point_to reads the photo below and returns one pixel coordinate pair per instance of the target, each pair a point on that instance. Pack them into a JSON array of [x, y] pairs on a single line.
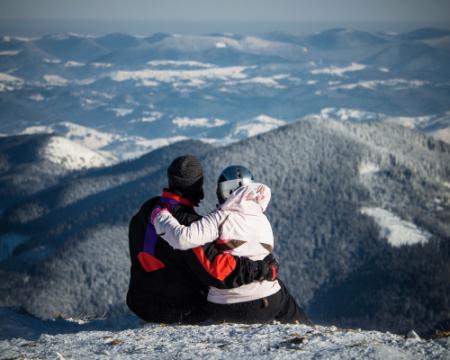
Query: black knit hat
[[185, 175]]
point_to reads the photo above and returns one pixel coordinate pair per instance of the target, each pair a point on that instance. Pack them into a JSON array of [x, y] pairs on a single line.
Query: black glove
[[269, 268]]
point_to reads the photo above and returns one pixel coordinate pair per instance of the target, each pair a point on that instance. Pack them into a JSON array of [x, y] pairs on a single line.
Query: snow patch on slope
[[101, 65], [258, 125], [73, 156], [37, 97], [121, 112], [9, 82], [396, 84], [73, 64], [398, 232], [110, 145], [368, 168], [183, 122], [339, 71], [171, 76], [10, 52], [180, 63], [269, 81], [55, 80], [346, 114]]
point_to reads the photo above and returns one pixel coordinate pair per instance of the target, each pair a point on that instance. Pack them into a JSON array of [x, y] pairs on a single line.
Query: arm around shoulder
[[183, 237]]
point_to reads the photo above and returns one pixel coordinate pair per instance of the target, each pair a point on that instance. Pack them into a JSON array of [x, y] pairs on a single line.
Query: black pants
[[280, 306], [166, 311]]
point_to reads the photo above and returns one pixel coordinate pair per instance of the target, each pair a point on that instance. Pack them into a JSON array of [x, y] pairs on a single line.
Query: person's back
[[247, 232], [168, 293]]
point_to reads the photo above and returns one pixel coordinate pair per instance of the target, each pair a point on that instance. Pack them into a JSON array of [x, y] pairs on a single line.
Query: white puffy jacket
[[239, 226]]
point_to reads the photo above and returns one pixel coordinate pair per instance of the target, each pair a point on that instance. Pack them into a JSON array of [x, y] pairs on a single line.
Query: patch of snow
[[67, 36], [383, 69], [10, 241], [339, 71], [73, 156], [101, 65], [433, 125], [55, 80], [180, 63], [121, 112], [442, 134], [410, 122], [311, 82], [345, 114], [51, 61], [9, 82], [183, 122], [269, 81], [10, 52], [171, 76], [446, 184], [397, 84], [149, 83], [258, 125], [84, 82], [368, 168], [39, 129], [26, 337], [89, 104], [72, 64], [246, 44], [142, 146], [37, 97], [281, 76], [149, 116], [398, 232], [87, 137], [19, 38], [109, 145], [258, 80]]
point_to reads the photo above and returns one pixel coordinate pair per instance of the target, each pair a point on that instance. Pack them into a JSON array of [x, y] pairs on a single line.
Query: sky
[[23, 13]]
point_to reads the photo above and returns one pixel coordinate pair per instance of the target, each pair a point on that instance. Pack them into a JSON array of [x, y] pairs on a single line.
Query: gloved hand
[[269, 268], [162, 206]]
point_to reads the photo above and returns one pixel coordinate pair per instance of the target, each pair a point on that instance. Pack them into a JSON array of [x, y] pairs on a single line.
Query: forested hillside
[[360, 214]]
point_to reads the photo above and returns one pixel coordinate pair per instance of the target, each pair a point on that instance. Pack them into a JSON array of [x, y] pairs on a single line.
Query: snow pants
[[280, 306]]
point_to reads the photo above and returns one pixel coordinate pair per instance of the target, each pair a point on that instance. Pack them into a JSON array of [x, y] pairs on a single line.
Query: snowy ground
[[25, 337]]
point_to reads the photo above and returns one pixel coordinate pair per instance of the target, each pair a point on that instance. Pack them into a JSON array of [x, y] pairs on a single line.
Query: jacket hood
[[249, 199]]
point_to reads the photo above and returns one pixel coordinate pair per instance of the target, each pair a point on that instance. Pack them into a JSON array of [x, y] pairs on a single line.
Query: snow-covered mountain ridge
[[345, 199], [114, 147]]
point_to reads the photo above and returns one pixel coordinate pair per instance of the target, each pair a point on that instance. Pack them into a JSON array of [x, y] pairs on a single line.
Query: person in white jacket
[[240, 227]]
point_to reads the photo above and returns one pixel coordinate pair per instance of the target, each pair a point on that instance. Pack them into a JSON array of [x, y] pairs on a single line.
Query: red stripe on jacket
[[178, 198], [222, 266], [149, 262]]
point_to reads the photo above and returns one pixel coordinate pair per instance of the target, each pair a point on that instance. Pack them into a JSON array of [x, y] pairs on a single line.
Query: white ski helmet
[[232, 178]]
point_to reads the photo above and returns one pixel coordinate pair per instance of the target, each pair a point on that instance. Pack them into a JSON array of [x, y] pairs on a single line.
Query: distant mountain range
[[170, 86]]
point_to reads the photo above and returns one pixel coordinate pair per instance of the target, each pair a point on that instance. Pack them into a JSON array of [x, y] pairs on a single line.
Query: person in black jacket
[[170, 286]]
